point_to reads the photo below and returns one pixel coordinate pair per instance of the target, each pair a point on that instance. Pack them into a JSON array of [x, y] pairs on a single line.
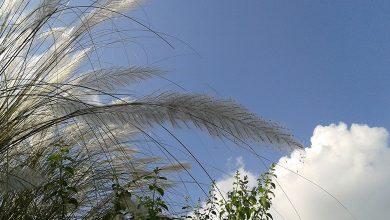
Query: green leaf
[[69, 170], [72, 189], [72, 201], [253, 200], [65, 150], [54, 157], [164, 206], [49, 186], [160, 190]]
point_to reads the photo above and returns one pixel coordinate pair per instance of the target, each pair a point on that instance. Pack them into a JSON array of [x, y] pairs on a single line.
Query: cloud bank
[[352, 164]]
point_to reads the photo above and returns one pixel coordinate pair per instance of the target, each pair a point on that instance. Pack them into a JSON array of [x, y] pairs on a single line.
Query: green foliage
[[58, 197], [149, 205], [154, 204], [241, 203], [55, 198], [62, 164], [210, 210], [119, 206], [254, 204]]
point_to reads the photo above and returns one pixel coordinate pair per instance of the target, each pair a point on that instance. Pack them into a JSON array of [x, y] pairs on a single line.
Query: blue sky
[[320, 68], [300, 63]]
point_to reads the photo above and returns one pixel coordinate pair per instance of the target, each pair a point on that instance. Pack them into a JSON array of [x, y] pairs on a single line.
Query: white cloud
[[350, 163]]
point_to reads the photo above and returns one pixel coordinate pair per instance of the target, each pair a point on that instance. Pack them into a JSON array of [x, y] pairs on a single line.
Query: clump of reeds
[[49, 105]]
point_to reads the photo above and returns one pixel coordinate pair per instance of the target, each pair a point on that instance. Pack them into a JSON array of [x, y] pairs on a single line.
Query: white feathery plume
[[46, 8], [220, 118], [104, 10], [65, 70], [9, 7], [110, 79]]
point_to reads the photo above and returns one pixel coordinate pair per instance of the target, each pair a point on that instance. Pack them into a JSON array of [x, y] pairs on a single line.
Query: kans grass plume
[[46, 102]]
